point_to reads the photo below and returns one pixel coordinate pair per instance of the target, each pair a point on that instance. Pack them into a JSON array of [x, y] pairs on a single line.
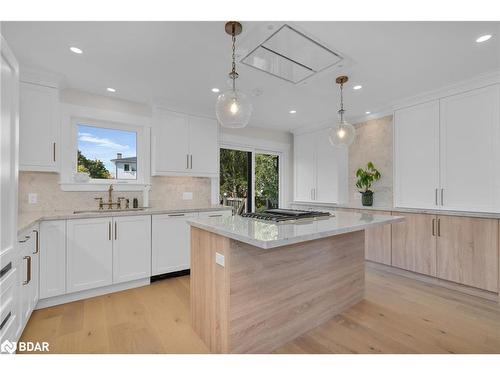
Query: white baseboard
[[71, 297]]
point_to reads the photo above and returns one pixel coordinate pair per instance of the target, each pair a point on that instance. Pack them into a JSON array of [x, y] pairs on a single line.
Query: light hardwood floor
[[398, 315]]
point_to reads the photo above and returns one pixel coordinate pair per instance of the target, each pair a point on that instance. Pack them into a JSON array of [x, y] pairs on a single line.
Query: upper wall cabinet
[[39, 126], [446, 153], [320, 169], [183, 145]]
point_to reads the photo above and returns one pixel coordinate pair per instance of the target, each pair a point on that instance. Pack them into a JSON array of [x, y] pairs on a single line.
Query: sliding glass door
[[249, 180]]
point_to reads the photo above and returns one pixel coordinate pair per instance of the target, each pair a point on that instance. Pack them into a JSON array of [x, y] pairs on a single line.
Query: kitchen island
[[256, 285]]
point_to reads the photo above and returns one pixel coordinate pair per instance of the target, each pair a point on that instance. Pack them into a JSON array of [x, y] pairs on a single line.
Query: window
[[249, 181], [106, 153]]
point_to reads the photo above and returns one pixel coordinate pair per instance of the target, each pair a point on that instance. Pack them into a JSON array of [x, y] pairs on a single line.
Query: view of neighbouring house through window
[[107, 153]]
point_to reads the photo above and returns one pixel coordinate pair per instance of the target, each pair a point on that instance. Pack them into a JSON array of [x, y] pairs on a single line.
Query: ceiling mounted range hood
[[291, 55]]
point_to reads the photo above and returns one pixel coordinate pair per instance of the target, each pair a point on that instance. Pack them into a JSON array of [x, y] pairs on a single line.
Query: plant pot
[[367, 198]]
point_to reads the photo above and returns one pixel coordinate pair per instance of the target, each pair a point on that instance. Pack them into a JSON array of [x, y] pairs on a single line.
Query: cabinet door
[[203, 146], [52, 258], [38, 127], [467, 251], [305, 167], [331, 164], [171, 243], [416, 156], [89, 254], [131, 248], [170, 146], [25, 280], [414, 243], [470, 149], [378, 241]]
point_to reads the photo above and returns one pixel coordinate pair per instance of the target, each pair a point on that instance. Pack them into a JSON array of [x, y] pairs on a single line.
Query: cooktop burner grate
[[280, 215]]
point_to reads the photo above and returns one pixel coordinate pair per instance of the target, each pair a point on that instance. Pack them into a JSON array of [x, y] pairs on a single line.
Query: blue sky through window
[[104, 144]]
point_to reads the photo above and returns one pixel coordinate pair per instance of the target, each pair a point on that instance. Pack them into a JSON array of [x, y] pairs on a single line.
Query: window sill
[[103, 186]]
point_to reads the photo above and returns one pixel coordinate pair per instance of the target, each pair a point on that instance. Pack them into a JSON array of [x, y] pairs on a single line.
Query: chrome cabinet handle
[[5, 320], [54, 151], [28, 270], [109, 231], [37, 242], [439, 227], [187, 161], [116, 231], [436, 196], [442, 195], [170, 215], [26, 238], [191, 160], [219, 215], [433, 227]]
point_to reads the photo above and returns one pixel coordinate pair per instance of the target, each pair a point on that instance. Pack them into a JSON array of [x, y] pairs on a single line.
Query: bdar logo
[[8, 347]]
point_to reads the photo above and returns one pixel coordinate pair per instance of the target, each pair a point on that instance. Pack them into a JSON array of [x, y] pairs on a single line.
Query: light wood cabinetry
[[39, 126], [444, 152], [89, 254], [184, 145], [467, 251], [131, 248], [378, 240], [320, 169], [414, 243], [52, 258]]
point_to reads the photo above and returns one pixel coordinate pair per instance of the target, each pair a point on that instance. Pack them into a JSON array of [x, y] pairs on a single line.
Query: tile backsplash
[[165, 192]]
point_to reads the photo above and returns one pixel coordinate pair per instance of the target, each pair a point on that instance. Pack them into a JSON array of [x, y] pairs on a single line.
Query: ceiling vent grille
[[291, 55]]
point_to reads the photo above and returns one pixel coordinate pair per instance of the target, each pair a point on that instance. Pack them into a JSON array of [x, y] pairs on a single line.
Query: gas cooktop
[[283, 215]]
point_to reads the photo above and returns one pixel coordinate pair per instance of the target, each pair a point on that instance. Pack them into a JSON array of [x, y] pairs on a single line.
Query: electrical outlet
[[32, 198], [187, 195], [219, 259]]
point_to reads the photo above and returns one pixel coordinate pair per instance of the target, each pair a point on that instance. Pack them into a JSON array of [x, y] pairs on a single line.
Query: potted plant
[[366, 177]]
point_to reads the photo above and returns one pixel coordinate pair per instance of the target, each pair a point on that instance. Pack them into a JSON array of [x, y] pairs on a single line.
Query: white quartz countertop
[[330, 206], [28, 219], [268, 235]]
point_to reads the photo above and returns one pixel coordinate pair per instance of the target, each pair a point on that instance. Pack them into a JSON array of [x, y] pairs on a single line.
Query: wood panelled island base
[[261, 298]]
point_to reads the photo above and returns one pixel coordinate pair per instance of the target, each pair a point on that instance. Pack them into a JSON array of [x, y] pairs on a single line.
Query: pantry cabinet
[[131, 248], [39, 126], [89, 254], [445, 151], [184, 145], [320, 169]]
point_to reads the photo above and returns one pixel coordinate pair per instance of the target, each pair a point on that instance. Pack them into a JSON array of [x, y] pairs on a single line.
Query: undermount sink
[[105, 210]]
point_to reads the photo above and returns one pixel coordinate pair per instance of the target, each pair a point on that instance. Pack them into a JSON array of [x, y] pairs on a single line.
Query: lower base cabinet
[[414, 243], [467, 251], [131, 248], [170, 242], [89, 254], [378, 241]]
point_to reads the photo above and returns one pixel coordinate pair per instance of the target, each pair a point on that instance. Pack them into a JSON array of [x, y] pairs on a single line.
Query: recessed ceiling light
[[367, 112], [293, 111], [215, 89], [483, 38], [357, 87], [110, 89], [76, 50]]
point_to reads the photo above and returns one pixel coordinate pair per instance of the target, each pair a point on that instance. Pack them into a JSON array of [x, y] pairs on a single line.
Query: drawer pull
[[5, 320], [218, 215], [26, 238], [6, 269], [177, 215]]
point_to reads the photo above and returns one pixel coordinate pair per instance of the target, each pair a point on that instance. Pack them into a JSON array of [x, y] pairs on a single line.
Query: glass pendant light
[[343, 134], [233, 108]]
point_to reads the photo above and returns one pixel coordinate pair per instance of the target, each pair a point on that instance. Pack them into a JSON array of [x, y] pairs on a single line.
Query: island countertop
[[269, 235]]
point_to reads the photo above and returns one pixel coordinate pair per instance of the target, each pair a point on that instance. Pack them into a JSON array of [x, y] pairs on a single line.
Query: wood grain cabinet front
[[414, 243], [467, 251]]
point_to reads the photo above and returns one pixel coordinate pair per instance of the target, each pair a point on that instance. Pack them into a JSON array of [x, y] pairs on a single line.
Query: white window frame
[[77, 115]]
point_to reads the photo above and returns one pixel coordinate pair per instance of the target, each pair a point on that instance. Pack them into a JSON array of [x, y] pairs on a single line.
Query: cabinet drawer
[[204, 215], [8, 306]]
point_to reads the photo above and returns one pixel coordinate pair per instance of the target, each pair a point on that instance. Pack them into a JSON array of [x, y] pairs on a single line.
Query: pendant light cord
[[233, 74]]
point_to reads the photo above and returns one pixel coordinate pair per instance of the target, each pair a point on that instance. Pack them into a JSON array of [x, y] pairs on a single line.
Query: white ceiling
[[177, 63]]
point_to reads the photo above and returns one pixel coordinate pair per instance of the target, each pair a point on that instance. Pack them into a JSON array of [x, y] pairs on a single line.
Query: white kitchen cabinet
[[416, 156], [320, 169], [470, 150], [183, 145], [38, 128], [445, 152], [52, 258], [203, 146], [89, 254], [170, 242], [131, 248]]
